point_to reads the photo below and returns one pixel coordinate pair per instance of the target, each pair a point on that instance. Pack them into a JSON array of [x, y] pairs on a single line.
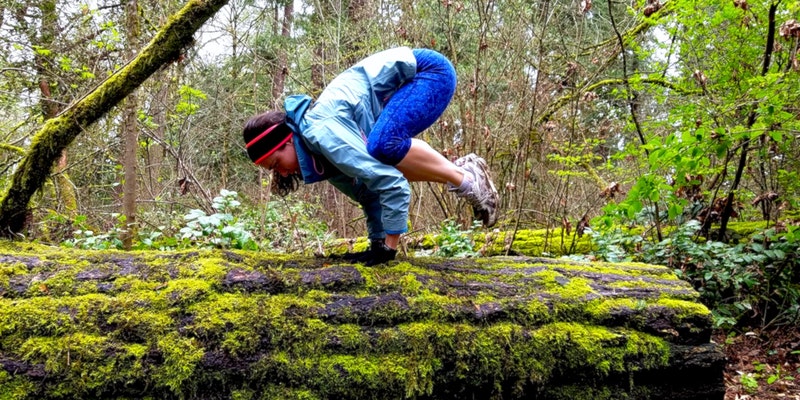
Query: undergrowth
[[230, 226], [753, 283]]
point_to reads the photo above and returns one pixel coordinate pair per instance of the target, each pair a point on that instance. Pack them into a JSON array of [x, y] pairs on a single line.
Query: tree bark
[[59, 132], [279, 77], [130, 132], [230, 324], [64, 190]]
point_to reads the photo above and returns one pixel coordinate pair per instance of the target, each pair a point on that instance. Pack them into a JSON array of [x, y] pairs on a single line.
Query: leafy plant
[[219, 230], [289, 226], [752, 283], [454, 242], [749, 382], [615, 245], [85, 237]]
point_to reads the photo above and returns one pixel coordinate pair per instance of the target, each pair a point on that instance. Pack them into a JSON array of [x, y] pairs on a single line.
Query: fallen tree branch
[[563, 100], [225, 324]]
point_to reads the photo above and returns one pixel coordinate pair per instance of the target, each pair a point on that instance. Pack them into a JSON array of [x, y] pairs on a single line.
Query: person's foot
[[481, 194]]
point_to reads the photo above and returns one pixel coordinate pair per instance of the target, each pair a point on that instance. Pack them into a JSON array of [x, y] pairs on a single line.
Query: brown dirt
[[762, 365]]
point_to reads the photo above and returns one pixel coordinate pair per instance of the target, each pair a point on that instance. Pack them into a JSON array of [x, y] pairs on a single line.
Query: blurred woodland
[[621, 110]]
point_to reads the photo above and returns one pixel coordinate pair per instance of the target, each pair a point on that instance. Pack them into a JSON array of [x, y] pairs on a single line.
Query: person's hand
[[379, 254]]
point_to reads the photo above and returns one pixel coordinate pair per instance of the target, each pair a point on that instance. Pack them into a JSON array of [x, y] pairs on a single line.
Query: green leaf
[[777, 136], [41, 51]]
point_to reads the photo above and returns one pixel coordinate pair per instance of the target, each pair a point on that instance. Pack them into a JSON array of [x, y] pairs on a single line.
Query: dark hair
[[281, 185], [259, 123], [284, 185]]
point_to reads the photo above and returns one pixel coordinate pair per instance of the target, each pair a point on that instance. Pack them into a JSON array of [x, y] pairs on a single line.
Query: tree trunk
[[130, 132], [279, 77], [227, 324], [59, 132], [64, 190]]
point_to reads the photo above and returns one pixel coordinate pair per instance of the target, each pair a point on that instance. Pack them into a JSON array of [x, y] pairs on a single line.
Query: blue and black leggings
[[413, 108]]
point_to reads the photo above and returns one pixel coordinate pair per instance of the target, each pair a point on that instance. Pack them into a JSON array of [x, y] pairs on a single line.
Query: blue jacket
[[333, 134]]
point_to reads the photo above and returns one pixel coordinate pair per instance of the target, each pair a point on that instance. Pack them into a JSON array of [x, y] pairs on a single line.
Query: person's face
[[283, 161]]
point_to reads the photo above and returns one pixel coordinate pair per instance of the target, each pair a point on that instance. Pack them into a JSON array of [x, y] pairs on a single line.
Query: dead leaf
[[790, 29]]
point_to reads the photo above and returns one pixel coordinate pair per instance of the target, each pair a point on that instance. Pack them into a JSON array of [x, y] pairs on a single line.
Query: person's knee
[[389, 152]]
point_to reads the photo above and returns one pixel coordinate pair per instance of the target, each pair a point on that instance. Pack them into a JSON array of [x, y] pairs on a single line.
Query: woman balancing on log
[[360, 136]]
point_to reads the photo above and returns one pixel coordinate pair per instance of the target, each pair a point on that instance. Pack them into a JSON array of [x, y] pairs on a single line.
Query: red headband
[[263, 145], [257, 138]]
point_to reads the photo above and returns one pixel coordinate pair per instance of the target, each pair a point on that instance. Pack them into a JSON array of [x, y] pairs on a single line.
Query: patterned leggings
[[413, 108]]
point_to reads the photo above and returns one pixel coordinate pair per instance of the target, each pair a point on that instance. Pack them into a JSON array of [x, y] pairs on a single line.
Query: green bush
[[754, 283]]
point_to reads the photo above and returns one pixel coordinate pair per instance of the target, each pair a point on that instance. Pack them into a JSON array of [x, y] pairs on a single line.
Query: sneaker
[[482, 196]]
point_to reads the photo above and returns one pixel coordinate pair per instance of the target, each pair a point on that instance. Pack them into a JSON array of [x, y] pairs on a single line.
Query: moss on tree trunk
[[57, 133], [224, 324]]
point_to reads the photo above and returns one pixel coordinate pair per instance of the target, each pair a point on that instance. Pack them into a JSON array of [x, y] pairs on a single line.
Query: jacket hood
[[314, 168], [296, 106]]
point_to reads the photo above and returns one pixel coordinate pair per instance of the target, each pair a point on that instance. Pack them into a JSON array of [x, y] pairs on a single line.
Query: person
[[360, 136]]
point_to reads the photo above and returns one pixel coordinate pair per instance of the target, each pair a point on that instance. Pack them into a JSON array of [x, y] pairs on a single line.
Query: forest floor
[[762, 364]]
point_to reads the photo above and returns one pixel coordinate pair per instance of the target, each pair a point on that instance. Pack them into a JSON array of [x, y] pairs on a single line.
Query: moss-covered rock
[[245, 325]]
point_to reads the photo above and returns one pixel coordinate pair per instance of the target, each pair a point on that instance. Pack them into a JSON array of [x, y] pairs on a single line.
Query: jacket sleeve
[[369, 201], [337, 140]]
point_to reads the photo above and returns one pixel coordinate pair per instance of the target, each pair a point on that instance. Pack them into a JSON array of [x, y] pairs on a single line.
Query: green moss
[[9, 270], [15, 387], [746, 229], [349, 376], [211, 269], [608, 351], [348, 337], [79, 358], [186, 291], [181, 357], [391, 277], [555, 242], [685, 309], [317, 296], [61, 283], [566, 288], [286, 393], [601, 309], [586, 392], [534, 313], [232, 319], [681, 310], [409, 285], [502, 327], [434, 305], [625, 268], [538, 243]]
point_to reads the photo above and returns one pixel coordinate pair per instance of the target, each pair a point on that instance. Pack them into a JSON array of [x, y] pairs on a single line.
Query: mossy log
[[60, 131], [245, 325]]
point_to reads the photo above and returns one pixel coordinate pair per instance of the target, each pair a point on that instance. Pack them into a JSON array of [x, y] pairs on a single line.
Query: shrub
[[751, 283]]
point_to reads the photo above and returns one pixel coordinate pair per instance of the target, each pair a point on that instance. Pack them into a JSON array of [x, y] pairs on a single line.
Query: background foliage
[[593, 115]]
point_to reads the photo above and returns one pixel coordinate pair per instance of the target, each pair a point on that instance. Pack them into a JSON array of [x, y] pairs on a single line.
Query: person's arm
[[383, 247], [337, 140]]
